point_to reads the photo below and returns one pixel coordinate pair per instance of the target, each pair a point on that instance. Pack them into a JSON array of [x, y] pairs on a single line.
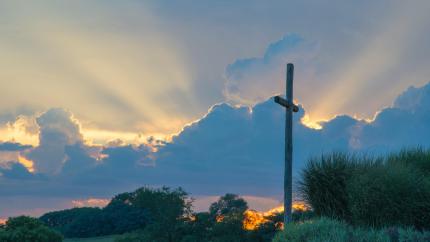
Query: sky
[[102, 97]]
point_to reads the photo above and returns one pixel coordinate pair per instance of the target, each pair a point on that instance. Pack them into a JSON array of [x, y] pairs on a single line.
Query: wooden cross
[[290, 107]]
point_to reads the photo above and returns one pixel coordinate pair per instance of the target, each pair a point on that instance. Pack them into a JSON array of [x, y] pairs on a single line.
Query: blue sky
[[101, 97]]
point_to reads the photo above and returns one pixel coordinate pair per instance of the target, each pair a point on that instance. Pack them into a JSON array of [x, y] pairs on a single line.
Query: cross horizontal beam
[[283, 102]]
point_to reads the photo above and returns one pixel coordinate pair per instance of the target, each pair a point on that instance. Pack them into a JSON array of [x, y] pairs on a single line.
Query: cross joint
[[285, 103]]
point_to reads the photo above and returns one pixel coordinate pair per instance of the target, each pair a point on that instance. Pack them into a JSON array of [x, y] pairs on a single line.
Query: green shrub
[[390, 195], [300, 215], [410, 235], [415, 157], [328, 230], [324, 180], [26, 229], [380, 192]]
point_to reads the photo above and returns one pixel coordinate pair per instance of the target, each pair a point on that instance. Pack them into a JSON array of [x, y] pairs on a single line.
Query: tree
[[26, 229], [229, 206], [228, 213], [116, 218], [167, 210]]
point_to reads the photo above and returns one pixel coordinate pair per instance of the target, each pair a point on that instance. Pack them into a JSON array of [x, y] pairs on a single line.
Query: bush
[[80, 222], [392, 195], [324, 180], [116, 218], [415, 157], [328, 230], [26, 229], [410, 235], [301, 215], [378, 192], [325, 229]]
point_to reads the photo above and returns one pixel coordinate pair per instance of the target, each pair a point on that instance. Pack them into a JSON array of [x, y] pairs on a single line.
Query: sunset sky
[[101, 97]]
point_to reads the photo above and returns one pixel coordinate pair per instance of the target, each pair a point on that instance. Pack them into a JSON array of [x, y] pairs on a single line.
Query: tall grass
[[324, 182], [394, 195], [324, 230], [418, 158], [370, 191], [328, 230]]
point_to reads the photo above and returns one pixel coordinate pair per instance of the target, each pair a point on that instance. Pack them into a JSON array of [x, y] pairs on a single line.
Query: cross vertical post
[[290, 107]]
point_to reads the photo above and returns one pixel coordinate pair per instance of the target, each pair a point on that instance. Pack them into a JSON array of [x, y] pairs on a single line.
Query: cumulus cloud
[[231, 149], [57, 130], [254, 79], [21, 129], [14, 170], [237, 149]]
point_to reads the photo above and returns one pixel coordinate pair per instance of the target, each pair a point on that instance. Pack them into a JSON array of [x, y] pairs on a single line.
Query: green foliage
[[26, 229], [229, 205], [411, 235], [414, 157], [324, 181], [324, 229], [223, 223], [200, 227], [392, 195], [124, 217], [228, 211], [115, 218], [378, 192], [167, 211], [328, 230], [300, 216]]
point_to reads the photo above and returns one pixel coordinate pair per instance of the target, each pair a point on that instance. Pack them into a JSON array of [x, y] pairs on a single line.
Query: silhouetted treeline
[[26, 229], [164, 215]]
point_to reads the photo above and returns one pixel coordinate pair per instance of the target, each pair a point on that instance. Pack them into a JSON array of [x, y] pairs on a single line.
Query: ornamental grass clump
[[390, 195], [370, 191], [324, 182]]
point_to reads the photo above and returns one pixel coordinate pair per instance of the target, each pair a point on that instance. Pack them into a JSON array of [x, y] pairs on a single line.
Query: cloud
[[20, 129], [252, 80], [57, 130], [9, 146], [112, 84], [403, 124], [231, 149], [78, 159], [91, 202], [160, 64], [414, 99], [15, 170]]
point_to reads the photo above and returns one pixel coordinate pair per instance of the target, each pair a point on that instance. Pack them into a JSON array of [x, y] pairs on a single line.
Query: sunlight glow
[[253, 219], [306, 121], [3, 221], [23, 131], [29, 164]]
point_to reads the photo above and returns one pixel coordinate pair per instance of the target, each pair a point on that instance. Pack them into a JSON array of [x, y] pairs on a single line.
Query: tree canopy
[[26, 229]]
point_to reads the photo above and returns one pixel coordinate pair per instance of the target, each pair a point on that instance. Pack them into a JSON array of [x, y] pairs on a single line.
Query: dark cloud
[[14, 170], [9, 146], [237, 149], [231, 149], [78, 160]]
